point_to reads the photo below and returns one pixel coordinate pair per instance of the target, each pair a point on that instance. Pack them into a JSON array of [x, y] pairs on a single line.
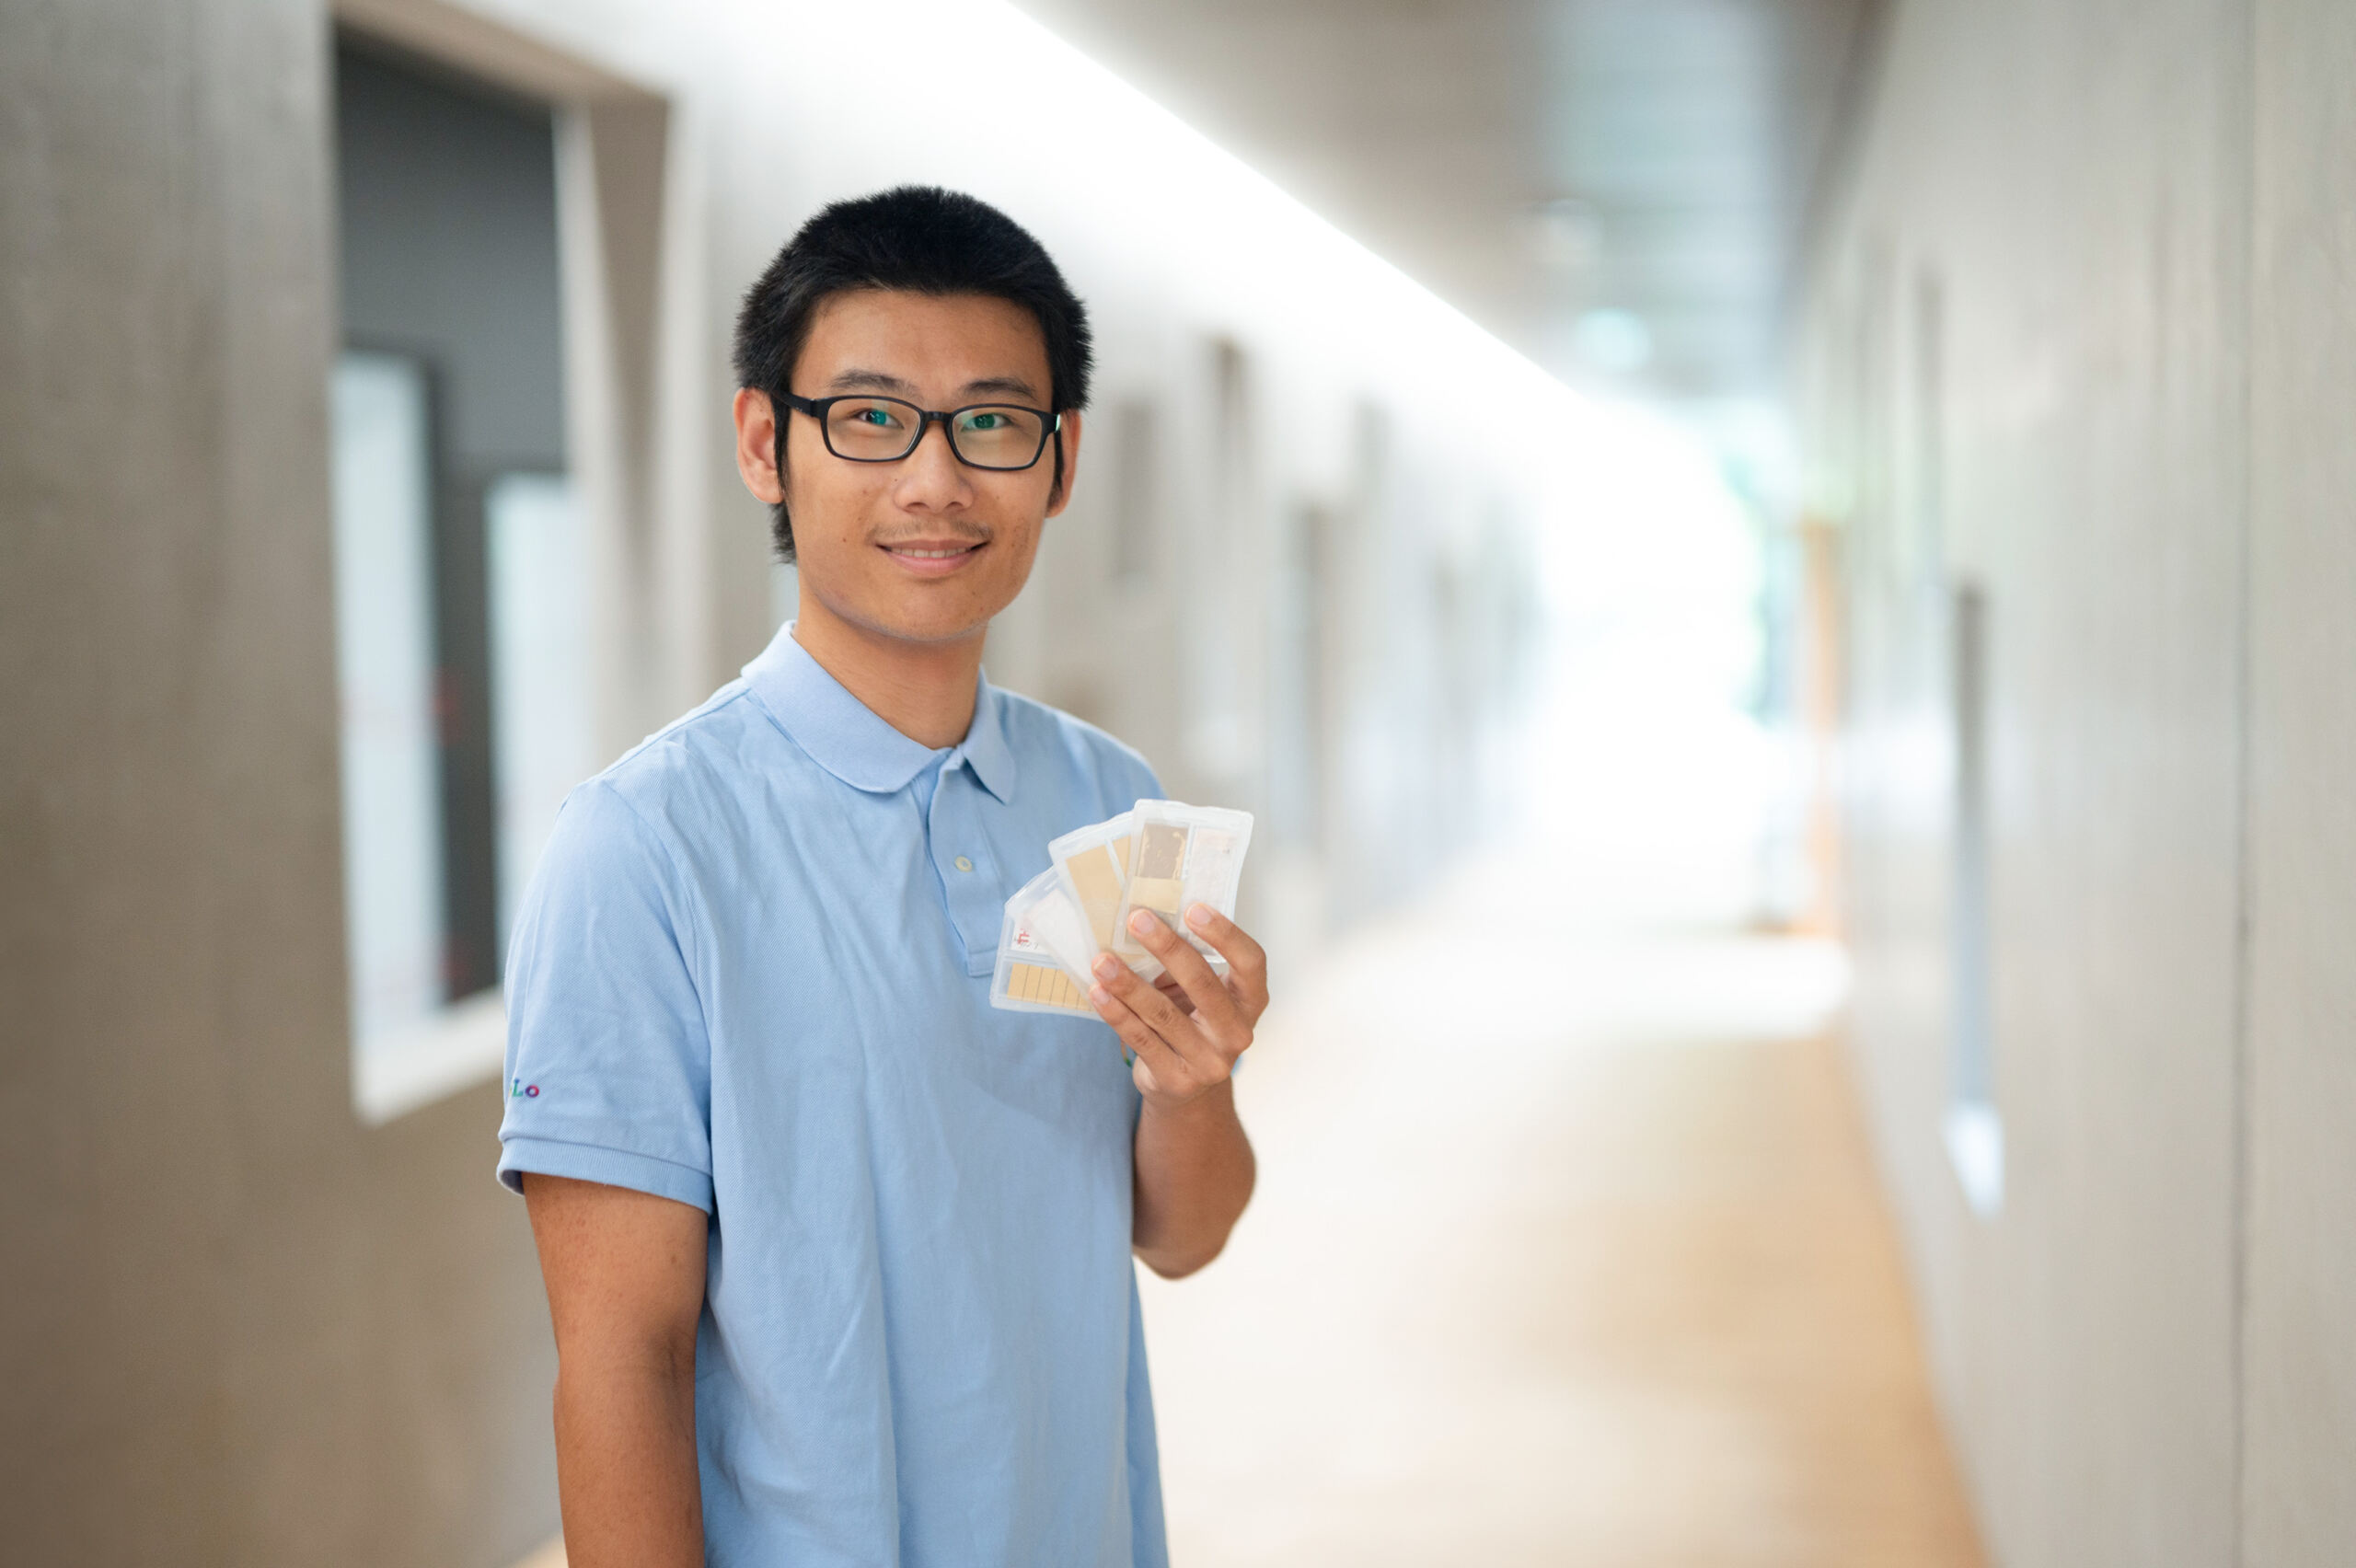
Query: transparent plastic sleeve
[[1093, 865], [1182, 856], [1038, 941]]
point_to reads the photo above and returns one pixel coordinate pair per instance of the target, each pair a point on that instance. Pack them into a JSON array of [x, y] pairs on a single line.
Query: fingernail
[[1142, 923], [1100, 996], [1107, 965], [1199, 915]]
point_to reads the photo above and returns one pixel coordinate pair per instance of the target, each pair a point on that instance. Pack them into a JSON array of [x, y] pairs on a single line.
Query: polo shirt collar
[[851, 741], [985, 748]]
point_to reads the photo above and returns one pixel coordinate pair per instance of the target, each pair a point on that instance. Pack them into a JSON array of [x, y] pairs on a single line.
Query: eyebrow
[[1009, 386], [868, 380], [877, 381]]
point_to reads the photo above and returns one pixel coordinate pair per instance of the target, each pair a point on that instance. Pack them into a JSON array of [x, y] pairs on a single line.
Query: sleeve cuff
[[615, 1168]]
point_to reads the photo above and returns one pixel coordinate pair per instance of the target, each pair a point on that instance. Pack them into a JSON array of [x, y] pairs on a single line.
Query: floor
[[1567, 1251]]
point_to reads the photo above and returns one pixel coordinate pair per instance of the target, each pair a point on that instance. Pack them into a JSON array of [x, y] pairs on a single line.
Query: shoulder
[[637, 833], [686, 746], [706, 760], [682, 785], [1044, 736]]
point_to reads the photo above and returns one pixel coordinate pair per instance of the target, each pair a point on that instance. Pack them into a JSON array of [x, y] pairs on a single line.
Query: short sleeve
[[608, 1061]]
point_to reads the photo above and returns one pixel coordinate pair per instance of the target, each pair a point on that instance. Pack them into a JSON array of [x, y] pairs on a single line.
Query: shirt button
[[963, 864]]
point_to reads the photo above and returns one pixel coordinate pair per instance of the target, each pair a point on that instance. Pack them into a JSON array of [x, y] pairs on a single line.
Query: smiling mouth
[[934, 555]]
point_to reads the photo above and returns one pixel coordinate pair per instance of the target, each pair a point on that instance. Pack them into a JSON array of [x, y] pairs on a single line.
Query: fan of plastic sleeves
[[1163, 857]]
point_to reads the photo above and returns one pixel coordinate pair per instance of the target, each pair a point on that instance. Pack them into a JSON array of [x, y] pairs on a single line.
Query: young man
[[839, 1256]]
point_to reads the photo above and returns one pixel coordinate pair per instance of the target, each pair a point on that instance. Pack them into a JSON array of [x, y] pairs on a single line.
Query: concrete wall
[[236, 1327], [2038, 359], [2299, 1394]]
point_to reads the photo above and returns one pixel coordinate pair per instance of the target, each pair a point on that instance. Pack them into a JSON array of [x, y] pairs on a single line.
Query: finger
[[1247, 961], [1143, 1043], [1156, 1066], [1213, 1005], [1168, 985], [1202, 1055], [1155, 1010]]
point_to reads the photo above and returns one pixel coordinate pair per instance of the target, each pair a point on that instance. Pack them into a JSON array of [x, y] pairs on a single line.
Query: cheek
[[1025, 548], [1020, 518], [827, 499]]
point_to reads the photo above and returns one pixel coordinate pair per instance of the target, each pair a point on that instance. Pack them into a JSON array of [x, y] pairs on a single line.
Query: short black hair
[[917, 237]]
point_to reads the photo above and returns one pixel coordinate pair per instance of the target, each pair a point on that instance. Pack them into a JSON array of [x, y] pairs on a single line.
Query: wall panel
[[2300, 1395], [2072, 182], [237, 1327]]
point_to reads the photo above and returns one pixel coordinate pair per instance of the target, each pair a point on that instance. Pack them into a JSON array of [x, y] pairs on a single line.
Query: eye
[[986, 421]]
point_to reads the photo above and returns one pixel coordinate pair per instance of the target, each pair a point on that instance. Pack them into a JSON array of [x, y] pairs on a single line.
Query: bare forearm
[[1195, 1172], [625, 1271], [626, 1458]]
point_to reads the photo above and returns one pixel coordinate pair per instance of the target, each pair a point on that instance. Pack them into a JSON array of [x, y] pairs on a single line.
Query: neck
[[925, 690]]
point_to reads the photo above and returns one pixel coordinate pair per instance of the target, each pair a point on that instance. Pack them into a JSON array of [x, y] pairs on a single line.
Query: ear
[[1067, 442], [757, 445]]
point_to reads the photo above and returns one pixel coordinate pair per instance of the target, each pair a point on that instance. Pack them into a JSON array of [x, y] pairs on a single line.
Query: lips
[[933, 557]]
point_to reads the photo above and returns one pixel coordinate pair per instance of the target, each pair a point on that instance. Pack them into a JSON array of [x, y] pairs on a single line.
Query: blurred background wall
[[2069, 341], [239, 1326]]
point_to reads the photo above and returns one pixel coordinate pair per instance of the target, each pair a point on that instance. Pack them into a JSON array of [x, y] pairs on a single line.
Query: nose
[[930, 477]]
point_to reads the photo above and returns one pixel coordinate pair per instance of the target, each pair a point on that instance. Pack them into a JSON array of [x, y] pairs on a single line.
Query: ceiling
[[1618, 188]]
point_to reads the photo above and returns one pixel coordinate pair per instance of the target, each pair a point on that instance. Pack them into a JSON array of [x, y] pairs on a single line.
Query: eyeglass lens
[[989, 436]]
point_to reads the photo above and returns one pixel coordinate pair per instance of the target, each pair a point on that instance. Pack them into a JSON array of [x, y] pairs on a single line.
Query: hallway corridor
[[1598, 481], [1568, 1250]]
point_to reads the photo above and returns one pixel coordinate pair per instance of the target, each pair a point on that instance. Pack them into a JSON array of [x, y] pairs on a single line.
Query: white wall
[[2299, 1385], [2136, 446]]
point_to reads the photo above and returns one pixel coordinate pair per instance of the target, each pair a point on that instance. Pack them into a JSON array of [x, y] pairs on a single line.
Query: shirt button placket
[[974, 904]]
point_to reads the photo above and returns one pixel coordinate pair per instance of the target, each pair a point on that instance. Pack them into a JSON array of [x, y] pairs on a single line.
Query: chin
[[928, 619]]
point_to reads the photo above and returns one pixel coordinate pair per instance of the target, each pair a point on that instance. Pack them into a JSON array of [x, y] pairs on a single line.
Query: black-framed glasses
[[862, 427]]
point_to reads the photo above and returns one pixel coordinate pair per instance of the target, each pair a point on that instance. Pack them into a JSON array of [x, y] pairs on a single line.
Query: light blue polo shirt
[[753, 974]]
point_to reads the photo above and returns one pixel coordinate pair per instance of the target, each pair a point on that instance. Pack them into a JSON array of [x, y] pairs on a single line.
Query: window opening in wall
[[1875, 385], [391, 746], [463, 639], [1298, 762], [1219, 743], [1930, 432], [1136, 459], [544, 735], [1975, 1132]]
